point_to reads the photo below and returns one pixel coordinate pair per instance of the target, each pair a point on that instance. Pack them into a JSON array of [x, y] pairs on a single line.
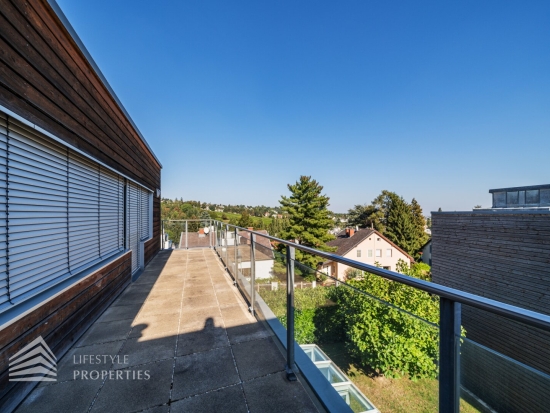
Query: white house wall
[[373, 243]]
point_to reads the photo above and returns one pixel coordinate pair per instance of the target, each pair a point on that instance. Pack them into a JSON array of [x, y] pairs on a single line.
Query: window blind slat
[[65, 212]]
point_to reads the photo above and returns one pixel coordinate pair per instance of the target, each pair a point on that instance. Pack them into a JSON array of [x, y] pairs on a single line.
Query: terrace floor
[[179, 339]]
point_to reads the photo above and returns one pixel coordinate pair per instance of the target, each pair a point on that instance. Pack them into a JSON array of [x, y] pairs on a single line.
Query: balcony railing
[[270, 277]]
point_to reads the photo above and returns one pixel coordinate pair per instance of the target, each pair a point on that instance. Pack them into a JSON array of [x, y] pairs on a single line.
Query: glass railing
[[190, 233], [496, 380], [397, 340]]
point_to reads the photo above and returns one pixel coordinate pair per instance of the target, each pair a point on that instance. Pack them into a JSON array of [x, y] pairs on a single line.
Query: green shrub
[[314, 316], [385, 339]]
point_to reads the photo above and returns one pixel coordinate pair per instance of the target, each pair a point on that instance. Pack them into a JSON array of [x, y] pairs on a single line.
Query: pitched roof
[[345, 244], [245, 238]]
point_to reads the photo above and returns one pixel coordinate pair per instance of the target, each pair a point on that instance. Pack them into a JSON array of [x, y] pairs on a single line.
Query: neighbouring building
[[502, 253], [426, 251], [263, 255], [367, 246], [80, 196]]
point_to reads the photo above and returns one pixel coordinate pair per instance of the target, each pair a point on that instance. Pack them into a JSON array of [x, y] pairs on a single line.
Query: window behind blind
[[60, 212]]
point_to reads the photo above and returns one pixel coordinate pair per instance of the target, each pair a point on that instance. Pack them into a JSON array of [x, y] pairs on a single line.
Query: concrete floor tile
[[79, 359], [246, 332], [198, 282], [106, 332], [209, 337], [227, 400], [151, 308], [213, 318], [258, 358], [222, 288], [196, 291], [140, 351], [236, 315], [157, 409], [131, 298], [167, 285], [201, 372], [122, 312], [155, 326], [174, 279], [227, 298], [199, 314], [274, 394], [54, 398], [173, 270], [134, 391], [199, 301], [172, 296]]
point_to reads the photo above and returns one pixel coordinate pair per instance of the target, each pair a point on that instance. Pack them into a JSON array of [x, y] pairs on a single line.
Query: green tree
[[383, 204], [245, 220], [361, 216], [309, 220], [278, 226], [420, 224], [400, 226], [205, 217]]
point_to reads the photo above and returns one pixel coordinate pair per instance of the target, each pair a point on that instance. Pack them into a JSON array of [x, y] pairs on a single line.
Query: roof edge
[[520, 188], [63, 19]]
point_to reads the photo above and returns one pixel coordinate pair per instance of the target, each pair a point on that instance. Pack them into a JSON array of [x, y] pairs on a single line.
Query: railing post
[[210, 233], [186, 245], [449, 355], [290, 254], [252, 272], [226, 251], [235, 264]]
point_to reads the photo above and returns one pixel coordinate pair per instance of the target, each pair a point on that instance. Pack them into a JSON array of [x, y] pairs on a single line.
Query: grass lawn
[[392, 395]]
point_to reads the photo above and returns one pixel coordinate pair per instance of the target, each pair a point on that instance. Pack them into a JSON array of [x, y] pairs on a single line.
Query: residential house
[[367, 246], [263, 254]]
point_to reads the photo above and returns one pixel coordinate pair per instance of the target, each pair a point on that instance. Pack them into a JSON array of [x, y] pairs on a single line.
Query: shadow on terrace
[[179, 339]]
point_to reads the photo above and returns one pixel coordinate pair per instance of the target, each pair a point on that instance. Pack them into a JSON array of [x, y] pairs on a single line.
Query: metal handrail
[[532, 318], [449, 315]]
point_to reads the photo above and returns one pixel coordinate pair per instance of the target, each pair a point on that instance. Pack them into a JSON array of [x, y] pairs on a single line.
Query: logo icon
[[34, 362]]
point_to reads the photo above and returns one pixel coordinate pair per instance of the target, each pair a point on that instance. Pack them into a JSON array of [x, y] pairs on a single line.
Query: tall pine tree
[[419, 224], [400, 226], [309, 220]]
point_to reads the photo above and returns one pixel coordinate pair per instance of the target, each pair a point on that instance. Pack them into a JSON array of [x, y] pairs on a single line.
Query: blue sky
[[435, 101]]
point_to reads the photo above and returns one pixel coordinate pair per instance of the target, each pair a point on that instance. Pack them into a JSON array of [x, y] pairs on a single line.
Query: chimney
[[350, 232]]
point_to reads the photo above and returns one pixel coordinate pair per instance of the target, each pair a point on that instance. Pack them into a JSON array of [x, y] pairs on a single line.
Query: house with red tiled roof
[[367, 246]]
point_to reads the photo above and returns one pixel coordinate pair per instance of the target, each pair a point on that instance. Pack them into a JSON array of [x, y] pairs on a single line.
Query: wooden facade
[[47, 79], [60, 321], [504, 256]]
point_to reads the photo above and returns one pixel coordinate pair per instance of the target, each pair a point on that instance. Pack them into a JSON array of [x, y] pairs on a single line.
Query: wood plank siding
[[46, 79], [60, 321], [506, 257]]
